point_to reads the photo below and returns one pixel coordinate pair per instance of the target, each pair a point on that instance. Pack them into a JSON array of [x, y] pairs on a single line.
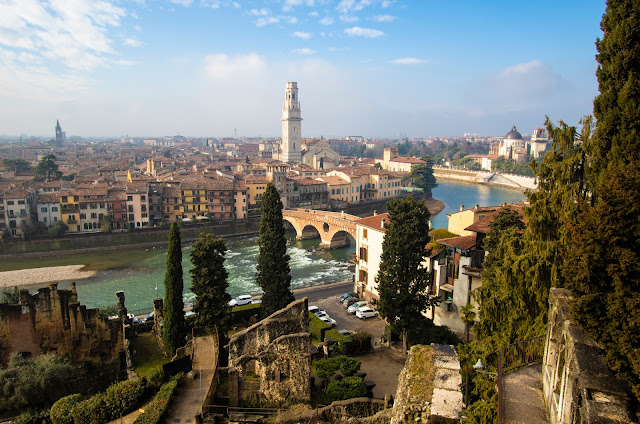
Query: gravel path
[[24, 277]]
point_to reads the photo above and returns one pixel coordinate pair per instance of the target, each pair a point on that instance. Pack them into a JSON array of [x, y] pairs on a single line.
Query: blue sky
[[376, 68]]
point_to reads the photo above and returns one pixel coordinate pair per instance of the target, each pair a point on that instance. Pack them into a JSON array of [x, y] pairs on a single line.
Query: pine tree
[[273, 272], [402, 280], [209, 282], [174, 326], [422, 176]]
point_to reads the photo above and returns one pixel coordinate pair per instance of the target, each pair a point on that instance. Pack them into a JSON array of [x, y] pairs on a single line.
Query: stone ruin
[[270, 362], [429, 387], [577, 384], [53, 320]]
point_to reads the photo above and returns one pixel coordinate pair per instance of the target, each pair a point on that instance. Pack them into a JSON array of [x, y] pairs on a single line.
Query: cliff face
[[53, 320], [270, 362], [429, 387]]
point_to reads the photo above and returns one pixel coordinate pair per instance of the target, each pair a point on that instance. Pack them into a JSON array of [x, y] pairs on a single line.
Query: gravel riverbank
[[24, 277]]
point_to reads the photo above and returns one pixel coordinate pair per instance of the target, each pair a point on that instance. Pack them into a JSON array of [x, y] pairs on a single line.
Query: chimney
[[477, 207], [375, 213], [382, 223], [461, 208]]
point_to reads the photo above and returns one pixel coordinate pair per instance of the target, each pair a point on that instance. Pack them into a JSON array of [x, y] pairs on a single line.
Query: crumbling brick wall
[[270, 362], [53, 320]]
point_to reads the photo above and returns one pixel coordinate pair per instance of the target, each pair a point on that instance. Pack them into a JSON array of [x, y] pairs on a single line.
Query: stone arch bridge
[[332, 227]]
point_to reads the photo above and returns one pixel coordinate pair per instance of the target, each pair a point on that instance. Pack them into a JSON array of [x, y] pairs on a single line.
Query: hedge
[[351, 344], [119, 399], [347, 388], [154, 412], [61, 411], [244, 313], [317, 327]]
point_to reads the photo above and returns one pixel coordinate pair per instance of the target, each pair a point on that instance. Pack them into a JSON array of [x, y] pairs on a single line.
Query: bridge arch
[[330, 226]]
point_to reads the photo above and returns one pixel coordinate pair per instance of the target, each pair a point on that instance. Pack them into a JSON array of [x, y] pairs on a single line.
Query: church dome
[[513, 134]]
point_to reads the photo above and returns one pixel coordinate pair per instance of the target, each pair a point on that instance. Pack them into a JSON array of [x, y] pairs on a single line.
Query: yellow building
[[70, 210], [460, 220]]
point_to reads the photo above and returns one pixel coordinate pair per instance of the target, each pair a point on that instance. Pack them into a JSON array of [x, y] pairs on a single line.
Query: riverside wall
[[490, 178]]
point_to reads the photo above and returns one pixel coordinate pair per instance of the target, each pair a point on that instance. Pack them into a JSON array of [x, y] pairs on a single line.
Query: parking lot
[[346, 321]]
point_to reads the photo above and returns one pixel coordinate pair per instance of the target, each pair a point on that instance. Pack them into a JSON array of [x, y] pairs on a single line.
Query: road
[[325, 291]]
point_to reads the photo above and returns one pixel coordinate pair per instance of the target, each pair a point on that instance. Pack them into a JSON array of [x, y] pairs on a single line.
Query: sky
[[372, 68]]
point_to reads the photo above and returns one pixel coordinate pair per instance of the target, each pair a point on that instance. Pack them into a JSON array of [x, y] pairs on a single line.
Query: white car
[[313, 309], [353, 308], [243, 299], [366, 312], [328, 320], [320, 314]]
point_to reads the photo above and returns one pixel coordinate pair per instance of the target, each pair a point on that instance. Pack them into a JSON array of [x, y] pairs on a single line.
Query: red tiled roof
[[483, 225], [462, 242], [374, 221]]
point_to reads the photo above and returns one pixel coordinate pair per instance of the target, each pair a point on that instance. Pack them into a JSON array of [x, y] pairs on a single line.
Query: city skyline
[[368, 67]]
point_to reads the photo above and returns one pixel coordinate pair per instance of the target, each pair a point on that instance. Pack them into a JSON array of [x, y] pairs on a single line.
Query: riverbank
[[496, 179], [33, 276]]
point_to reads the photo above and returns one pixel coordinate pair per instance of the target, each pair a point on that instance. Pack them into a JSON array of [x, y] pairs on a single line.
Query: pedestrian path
[[522, 396]]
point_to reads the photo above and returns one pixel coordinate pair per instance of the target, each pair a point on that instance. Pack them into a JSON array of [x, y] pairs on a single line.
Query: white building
[[48, 208], [370, 233]]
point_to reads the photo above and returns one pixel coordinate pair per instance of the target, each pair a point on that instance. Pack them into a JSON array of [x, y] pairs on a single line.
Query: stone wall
[[53, 320], [429, 387], [577, 384], [270, 362]]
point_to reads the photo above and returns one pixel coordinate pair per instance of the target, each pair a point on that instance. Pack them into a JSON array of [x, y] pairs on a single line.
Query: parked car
[[349, 301], [346, 332], [243, 299], [321, 314], [313, 309], [366, 312], [148, 317], [357, 305], [344, 296], [328, 320]]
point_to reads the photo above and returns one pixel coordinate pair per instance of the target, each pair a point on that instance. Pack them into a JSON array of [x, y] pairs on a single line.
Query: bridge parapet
[[327, 224]]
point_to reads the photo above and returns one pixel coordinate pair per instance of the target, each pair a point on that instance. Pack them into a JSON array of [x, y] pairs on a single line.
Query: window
[[10, 202], [21, 202], [44, 219], [143, 198], [129, 198], [364, 253], [55, 219], [43, 209], [83, 216], [131, 218], [144, 208], [130, 208], [94, 215], [54, 209]]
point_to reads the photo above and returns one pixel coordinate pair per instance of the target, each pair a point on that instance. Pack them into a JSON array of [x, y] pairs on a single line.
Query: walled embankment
[[158, 236], [491, 178]]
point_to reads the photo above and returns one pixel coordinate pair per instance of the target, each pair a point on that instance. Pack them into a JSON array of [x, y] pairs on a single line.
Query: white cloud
[[259, 12], [386, 3], [132, 42], [337, 49], [185, 3], [534, 78], [313, 14], [363, 32], [349, 18], [266, 21], [327, 20], [289, 4], [304, 51], [214, 4], [137, 28], [347, 6], [292, 19], [383, 18], [75, 34], [236, 5], [222, 66], [303, 35], [408, 61]]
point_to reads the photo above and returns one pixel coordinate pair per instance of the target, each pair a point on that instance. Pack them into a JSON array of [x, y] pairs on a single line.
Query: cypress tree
[[273, 272], [209, 282], [402, 280], [174, 326]]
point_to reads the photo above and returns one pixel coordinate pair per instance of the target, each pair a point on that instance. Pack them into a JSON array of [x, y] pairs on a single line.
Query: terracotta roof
[[333, 180], [483, 225], [406, 159], [374, 221], [48, 198], [462, 242]]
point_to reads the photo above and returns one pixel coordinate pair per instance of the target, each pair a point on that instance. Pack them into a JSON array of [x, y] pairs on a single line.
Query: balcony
[[72, 221]]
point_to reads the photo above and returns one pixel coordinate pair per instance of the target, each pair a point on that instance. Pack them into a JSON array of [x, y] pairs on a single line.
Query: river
[[140, 272]]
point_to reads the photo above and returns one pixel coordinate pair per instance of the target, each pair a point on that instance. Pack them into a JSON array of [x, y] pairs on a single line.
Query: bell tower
[[291, 125]]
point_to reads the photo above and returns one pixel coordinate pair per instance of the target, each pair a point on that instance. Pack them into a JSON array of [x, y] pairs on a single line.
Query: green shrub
[[348, 366], [347, 388], [317, 327], [154, 412], [33, 416], [123, 397], [156, 377], [91, 411], [244, 313], [426, 332], [61, 411], [325, 368], [351, 344]]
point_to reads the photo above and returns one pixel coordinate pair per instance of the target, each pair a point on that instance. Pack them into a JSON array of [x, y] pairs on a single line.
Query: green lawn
[[148, 354]]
